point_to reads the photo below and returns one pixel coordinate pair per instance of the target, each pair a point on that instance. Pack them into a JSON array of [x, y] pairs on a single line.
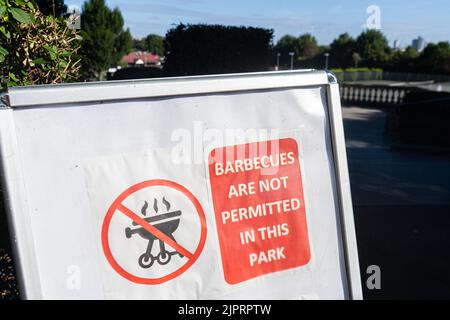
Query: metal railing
[[379, 95], [377, 75], [414, 77]]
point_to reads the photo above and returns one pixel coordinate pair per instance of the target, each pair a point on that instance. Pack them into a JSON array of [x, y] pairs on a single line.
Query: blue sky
[[400, 20]]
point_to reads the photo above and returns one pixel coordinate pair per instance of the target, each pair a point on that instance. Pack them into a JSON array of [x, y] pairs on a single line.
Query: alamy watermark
[[373, 21], [73, 278], [73, 17], [191, 145], [373, 281]]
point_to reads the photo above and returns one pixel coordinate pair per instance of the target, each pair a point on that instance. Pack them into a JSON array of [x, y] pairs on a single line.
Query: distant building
[[141, 58], [396, 45], [418, 44]]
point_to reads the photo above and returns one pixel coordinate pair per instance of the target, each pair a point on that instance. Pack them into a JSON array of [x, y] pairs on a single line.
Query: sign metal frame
[[12, 176]]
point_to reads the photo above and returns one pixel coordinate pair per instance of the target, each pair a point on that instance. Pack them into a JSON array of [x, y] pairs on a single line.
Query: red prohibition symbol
[[118, 207]]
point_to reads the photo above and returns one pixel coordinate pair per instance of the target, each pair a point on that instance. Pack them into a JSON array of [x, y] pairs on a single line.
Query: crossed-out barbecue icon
[[167, 223]]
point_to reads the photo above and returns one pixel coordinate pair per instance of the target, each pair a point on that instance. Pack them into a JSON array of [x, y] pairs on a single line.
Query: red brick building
[[142, 58]]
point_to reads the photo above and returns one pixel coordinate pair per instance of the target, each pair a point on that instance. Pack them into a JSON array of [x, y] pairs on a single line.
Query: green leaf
[[30, 5], [2, 10], [10, 84], [39, 61], [65, 54], [3, 51], [20, 15], [51, 50], [13, 77], [7, 34], [62, 64]]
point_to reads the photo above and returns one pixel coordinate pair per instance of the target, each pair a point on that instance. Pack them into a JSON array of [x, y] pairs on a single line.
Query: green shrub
[[358, 74], [196, 49], [35, 49], [8, 283], [339, 73]]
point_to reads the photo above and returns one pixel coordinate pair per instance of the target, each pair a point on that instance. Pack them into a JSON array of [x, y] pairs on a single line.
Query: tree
[[35, 49], [151, 43], [307, 46], [356, 58], [139, 44], [374, 48], [155, 43], [55, 8], [105, 41], [122, 39], [205, 49], [284, 46], [304, 47], [435, 58], [341, 51], [404, 61]]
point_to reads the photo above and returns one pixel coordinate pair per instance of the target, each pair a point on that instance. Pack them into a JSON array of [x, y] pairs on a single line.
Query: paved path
[[402, 210]]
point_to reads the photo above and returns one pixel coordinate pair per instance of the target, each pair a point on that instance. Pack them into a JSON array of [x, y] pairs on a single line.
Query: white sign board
[[215, 187]]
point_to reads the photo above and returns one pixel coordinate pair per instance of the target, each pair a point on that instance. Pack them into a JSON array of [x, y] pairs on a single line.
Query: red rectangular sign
[[259, 208]]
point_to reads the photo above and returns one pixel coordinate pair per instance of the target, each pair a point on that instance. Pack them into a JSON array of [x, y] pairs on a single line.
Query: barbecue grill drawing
[[167, 223]]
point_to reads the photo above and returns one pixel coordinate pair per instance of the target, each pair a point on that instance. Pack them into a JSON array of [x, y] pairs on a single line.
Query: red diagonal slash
[[160, 235]]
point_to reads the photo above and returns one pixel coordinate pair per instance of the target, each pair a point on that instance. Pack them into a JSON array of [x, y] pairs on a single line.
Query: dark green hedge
[[212, 49]]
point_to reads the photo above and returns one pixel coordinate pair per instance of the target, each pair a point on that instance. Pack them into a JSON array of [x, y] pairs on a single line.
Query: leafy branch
[[35, 49]]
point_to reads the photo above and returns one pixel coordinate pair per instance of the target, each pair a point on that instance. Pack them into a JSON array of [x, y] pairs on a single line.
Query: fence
[[414, 77], [345, 76], [376, 95], [351, 76]]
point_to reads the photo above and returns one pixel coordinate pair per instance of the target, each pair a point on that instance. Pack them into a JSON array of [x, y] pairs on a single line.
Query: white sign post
[[211, 187]]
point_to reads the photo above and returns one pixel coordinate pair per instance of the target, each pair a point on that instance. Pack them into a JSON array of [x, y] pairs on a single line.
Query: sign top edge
[[73, 93]]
